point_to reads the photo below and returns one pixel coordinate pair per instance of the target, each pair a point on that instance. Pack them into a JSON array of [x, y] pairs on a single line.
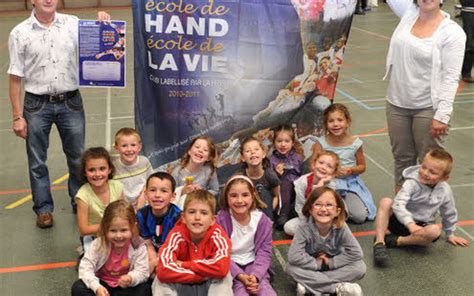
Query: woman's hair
[[117, 209], [265, 161], [329, 153], [96, 153], [333, 108], [286, 128], [313, 197], [257, 202], [213, 154]]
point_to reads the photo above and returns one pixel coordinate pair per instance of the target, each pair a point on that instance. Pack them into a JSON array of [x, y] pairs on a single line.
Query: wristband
[[17, 118]]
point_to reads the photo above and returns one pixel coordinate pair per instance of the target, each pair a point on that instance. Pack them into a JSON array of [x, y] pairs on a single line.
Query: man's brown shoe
[[468, 79], [44, 220]]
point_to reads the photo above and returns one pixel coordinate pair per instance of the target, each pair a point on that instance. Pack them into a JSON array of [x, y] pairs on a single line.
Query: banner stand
[[108, 145]]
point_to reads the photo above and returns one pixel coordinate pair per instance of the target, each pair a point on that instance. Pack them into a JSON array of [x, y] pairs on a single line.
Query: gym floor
[[41, 262]]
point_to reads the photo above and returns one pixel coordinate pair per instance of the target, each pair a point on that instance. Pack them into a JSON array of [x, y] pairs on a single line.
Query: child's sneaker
[[391, 240], [348, 289], [300, 290], [380, 254]]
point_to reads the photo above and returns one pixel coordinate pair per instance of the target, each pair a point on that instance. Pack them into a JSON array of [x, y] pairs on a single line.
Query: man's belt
[[58, 97]]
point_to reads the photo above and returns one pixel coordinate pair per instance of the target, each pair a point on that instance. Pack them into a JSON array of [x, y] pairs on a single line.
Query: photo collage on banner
[[234, 68]]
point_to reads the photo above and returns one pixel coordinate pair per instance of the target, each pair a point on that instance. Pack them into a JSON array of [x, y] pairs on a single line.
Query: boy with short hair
[[131, 168], [195, 259], [156, 219], [410, 217]]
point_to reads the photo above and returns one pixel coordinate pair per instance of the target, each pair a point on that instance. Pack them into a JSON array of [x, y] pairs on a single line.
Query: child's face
[[199, 152], [97, 171], [128, 147], [253, 154], [159, 194], [119, 233], [198, 217], [240, 199], [325, 209], [311, 51], [324, 65], [283, 142], [324, 166], [432, 171], [337, 123]]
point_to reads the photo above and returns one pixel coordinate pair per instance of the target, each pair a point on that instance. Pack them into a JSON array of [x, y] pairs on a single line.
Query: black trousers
[[80, 289], [468, 26]]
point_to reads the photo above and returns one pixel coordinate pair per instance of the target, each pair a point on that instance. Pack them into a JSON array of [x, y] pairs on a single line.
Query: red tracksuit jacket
[[209, 259]]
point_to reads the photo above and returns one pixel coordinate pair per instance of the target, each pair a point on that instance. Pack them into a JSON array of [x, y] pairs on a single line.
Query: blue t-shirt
[[157, 228]]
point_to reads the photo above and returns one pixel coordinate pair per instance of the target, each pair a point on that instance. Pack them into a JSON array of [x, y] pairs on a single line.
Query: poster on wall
[[101, 53], [232, 69]]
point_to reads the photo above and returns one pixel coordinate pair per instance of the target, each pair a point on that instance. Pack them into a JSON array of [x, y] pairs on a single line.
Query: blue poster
[[233, 68], [101, 53]]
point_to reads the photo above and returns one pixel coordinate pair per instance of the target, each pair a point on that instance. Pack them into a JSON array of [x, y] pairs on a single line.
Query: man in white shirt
[[43, 57]]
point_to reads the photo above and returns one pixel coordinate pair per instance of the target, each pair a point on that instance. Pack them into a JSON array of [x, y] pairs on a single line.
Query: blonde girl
[[324, 256], [256, 167], [197, 168], [325, 166], [98, 192], [287, 161], [338, 139], [117, 262], [251, 234]]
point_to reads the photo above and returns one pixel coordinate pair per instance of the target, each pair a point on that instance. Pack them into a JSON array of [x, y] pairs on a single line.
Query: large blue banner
[[233, 68]]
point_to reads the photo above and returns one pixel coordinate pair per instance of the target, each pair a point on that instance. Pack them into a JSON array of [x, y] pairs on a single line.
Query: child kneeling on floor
[[324, 256], [116, 262], [195, 258], [409, 219]]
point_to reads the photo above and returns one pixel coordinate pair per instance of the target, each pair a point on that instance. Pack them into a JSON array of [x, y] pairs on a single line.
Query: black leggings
[[80, 289]]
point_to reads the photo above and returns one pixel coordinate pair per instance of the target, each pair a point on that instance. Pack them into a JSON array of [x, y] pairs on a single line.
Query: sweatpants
[[318, 282], [209, 287]]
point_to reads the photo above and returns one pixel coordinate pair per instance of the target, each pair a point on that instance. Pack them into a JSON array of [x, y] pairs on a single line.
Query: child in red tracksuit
[[195, 259]]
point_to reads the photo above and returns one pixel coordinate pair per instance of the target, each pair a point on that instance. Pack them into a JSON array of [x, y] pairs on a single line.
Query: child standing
[[338, 139], [287, 162], [250, 232], [131, 168], [197, 168], [324, 256], [116, 263], [256, 167], [195, 259], [324, 169], [156, 219], [98, 191], [410, 218]]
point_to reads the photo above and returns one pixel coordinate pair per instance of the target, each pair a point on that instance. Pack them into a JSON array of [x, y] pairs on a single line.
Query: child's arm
[[350, 250], [88, 266], [139, 272], [141, 200], [213, 184], [263, 255], [152, 256], [276, 196], [300, 199], [297, 254], [360, 166], [218, 266], [449, 217], [400, 201], [82, 219]]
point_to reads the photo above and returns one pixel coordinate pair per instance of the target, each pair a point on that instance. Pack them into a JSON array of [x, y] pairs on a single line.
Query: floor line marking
[[465, 233], [29, 196], [372, 33], [280, 258], [460, 128], [274, 243], [462, 185], [378, 165], [27, 190]]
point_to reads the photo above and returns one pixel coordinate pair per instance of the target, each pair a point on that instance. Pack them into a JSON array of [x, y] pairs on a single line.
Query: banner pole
[[108, 119]]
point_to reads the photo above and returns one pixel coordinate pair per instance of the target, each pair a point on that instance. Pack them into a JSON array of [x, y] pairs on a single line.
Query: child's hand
[[458, 241], [280, 168], [125, 281], [323, 181], [344, 172], [275, 203], [102, 291], [244, 279], [189, 188], [323, 257]]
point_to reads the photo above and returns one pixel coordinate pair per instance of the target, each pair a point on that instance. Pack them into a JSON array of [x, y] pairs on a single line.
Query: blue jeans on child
[[68, 116]]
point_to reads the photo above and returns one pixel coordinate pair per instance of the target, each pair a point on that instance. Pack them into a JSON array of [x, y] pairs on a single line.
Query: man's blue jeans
[[40, 114]]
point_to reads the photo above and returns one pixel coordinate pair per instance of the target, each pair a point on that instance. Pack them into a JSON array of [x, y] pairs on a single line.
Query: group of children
[[138, 227]]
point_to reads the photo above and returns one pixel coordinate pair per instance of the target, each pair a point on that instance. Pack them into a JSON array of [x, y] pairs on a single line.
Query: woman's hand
[[438, 128]]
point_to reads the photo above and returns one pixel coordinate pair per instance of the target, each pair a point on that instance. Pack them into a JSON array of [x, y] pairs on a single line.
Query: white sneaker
[[300, 290], [348, 289]]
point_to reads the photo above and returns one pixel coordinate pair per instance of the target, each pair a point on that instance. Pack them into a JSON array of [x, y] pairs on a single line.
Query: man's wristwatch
[[17, 118]]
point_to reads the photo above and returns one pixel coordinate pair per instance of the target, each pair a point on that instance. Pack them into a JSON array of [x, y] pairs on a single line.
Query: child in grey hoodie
[[409, 219]]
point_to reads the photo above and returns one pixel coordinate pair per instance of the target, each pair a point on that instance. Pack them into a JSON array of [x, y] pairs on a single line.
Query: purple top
[[293, 164], [263, 245]]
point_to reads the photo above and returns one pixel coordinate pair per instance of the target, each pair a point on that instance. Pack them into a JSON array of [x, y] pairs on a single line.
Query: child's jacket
[[208, 260], [262, 241], [95, 258], [417, 202]]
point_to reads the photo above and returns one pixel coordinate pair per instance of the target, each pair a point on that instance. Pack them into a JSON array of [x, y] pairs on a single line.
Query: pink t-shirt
[[115, 266]]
